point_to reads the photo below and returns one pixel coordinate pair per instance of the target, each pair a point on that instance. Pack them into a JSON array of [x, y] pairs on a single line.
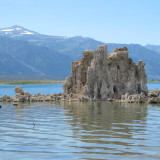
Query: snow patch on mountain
[[15, 31], [26, 32], [7, 30]]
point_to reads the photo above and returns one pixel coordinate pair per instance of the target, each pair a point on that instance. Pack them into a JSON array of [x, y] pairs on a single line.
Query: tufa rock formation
[[23, 96], [102, 76], [99, 76]]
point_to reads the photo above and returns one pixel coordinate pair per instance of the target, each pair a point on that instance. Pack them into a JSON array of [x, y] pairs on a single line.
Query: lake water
[[31, 88], [97, 130], [153, 85], [46, 88], [78, 130]]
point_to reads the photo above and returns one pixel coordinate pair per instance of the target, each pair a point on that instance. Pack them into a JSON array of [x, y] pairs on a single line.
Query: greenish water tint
[[77, 130]]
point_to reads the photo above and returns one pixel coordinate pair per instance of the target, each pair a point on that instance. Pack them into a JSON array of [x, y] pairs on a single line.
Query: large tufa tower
[[99, 75]]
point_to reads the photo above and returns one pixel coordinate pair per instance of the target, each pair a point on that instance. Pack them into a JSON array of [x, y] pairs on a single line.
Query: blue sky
[[111, 21]]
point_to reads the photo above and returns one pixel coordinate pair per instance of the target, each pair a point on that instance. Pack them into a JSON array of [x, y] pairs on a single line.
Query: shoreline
[[156, 81], [152, 96], [18, 82]]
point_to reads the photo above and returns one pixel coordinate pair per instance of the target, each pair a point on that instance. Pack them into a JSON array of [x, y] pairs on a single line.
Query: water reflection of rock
[[106, 123], [103, 114]]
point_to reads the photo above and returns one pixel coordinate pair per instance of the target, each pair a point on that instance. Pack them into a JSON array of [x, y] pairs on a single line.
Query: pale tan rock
[[134, 98], [18, 90], [154, 93], [14, 99], [6, 98]]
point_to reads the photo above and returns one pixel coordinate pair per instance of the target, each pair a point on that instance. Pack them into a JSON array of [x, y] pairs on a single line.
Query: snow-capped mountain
[[16, 31]]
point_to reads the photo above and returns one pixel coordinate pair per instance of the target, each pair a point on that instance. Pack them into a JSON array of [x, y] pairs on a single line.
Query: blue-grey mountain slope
[[155, 48], [52, 55], [19, 57]]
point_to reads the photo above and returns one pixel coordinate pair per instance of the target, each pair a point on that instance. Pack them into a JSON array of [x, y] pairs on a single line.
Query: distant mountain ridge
[[155, 48], [24, 52], [16, 31], [19, 57]]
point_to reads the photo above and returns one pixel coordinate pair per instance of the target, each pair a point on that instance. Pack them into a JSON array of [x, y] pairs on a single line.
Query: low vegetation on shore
[[33, 82], [152, 81], [46, 81]]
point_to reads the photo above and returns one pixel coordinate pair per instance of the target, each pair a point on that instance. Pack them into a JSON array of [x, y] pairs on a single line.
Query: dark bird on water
[[33, 125], [0, 106]]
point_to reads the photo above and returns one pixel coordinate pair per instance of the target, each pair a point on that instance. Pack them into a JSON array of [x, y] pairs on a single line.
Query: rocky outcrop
[[134, 98], [102, 76], [23, 96], [153, 96], [99, 76]]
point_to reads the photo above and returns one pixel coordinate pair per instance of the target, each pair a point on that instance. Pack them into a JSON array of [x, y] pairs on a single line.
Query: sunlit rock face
[[99, 75]]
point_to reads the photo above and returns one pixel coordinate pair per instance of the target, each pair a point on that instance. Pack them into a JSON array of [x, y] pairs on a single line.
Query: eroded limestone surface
[[101, 76]]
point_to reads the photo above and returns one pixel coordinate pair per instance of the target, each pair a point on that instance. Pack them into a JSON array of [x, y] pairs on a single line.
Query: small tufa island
[[100, 76]]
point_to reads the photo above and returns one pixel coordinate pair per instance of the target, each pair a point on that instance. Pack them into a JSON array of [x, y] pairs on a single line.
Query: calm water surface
[[31, 88], [153, 85], [77, 130], [91, 130], [46, 88]]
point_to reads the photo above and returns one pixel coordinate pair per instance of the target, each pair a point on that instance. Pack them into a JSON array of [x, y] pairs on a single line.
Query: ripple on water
[[91, 130]]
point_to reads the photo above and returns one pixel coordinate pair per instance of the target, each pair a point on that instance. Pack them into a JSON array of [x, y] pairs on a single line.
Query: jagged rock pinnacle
[[99, 75]]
